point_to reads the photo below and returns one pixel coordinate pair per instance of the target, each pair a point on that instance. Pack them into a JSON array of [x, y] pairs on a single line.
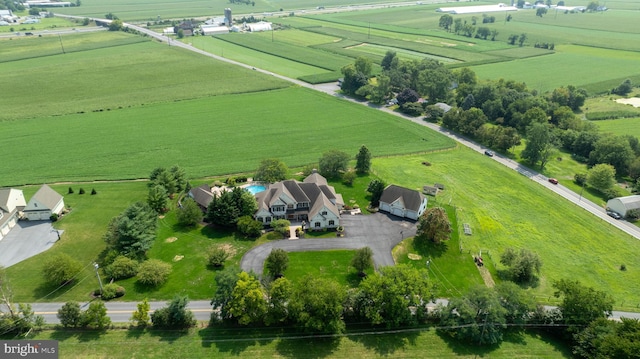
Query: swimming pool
[[255, 188]]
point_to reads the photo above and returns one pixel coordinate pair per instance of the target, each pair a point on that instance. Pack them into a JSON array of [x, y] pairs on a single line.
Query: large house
[[203, 195], [43, 204], [403, 202], [11, 205], [312, 201]]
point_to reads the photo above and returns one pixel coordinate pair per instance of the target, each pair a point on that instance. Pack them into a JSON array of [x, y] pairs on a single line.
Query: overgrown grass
[[213, 136], [505, 209], [266, 343], [621, 127]]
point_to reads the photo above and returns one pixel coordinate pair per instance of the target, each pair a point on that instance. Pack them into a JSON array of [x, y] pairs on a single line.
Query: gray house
[[43, 204]]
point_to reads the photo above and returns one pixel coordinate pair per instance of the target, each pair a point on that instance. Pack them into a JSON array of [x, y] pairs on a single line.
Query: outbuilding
[[43, 204], [403, 202], [622, 205], [11, 205]]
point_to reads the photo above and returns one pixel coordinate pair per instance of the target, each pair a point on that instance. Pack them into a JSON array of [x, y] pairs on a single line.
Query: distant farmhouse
[[312, 201], [11, 205], [403, 202], [622, 205], [43, 204]]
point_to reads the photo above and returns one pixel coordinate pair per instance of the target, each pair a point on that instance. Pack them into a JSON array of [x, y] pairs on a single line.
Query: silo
[[227, 17]]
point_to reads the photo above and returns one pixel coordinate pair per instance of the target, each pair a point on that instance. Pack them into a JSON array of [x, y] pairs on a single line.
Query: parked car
[[613, 214], [489, 153], [553, 180]]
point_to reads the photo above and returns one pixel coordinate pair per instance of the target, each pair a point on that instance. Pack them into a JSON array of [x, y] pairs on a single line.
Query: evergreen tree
[[363, 160]]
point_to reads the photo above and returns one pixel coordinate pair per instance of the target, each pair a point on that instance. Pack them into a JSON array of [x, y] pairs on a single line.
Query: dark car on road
[[613, 214], [553, 180], [489, 153]]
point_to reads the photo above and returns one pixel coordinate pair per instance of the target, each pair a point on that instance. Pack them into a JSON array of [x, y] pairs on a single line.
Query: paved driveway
[[26, 240], [378, 231]]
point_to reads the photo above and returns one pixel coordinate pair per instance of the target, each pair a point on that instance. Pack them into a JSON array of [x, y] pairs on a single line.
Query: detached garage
[[403, 202], [43, 204]]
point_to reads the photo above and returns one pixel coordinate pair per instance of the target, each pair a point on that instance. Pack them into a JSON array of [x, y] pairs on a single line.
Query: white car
[[4, 23]]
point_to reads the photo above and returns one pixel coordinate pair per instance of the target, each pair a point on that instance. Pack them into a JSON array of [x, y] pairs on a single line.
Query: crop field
[[268, 342], [569, 66], [217, 135], [125, 73], [45, 24], [150, 10], [505, 209]]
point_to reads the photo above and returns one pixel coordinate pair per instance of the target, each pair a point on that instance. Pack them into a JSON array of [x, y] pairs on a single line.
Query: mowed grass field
[[112, 70], [265, 343], [505, 209], [621, 127], [212, 136]]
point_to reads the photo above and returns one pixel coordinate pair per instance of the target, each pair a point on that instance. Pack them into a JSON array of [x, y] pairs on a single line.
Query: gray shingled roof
[[47, 196], [412, 199]]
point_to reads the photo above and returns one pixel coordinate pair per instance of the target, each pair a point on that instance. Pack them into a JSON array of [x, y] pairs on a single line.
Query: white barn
[[208, 30], [460, 10], [622, 205], [43, 204], [259, 26]]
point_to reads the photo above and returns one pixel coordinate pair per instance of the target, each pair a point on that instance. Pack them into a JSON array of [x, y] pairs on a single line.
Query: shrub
[[61, 269], [611, 193], [111, 291], [70, 315], [70, 190], [580, 179], [623, 267], [93, 191], [216, 256], [153, 272], [53, 217], [249, 226], [122, 267], [81, 191]]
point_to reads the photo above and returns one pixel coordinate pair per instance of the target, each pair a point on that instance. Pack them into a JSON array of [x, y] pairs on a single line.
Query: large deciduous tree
[[477, 317], [395, 297], [581, 305], [248, 304], [277, 262], [271, 170], [226, 281], [332, 163], [362, 260], [538, 139], [601, 176], [280, 292], [317, 305], [445, 22], [133, 232], [363, 160], [614, 150], [434, 226], [523, 265]]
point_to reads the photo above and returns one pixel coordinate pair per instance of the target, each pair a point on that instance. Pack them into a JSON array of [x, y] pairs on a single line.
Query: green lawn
[[333, 265], [243, 342], [505, 209], [451, 265], [212, 136], [621, 127]]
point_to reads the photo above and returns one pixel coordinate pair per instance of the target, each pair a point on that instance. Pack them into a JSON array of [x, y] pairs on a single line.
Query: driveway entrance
[[25, 240]]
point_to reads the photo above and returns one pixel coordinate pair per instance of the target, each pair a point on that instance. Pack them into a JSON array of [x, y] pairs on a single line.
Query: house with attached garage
[[11, 205], [43, 204], [312, 201], [403, 202]]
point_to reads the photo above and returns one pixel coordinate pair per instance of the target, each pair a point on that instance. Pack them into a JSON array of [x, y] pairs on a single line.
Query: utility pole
[[62, 46], [95, 265]]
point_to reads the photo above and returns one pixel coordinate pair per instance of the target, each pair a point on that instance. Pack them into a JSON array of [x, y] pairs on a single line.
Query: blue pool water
[[255, 188]]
